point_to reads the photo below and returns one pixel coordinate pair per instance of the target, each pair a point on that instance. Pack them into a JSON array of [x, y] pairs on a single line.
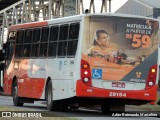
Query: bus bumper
[[83, 90]]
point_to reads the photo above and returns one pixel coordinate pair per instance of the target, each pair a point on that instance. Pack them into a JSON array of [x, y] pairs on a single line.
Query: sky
[[116, 4]]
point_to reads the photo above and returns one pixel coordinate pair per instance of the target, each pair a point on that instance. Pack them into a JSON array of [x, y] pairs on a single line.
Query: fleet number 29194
[[117, 94]]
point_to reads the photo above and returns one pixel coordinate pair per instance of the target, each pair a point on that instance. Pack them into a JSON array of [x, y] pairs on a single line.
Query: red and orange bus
[[106, 59]]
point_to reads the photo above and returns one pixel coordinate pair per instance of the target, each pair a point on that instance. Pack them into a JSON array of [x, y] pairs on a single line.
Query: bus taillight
[[151, 80], [85, 73]]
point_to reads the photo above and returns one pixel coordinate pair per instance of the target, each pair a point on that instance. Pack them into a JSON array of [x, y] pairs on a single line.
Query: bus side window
[[10, 43], [63, 37], [27, 43], [62, 47], [35, 42], [44, 42], [53, 41], [73, 39], [10, 50], [19, 43]]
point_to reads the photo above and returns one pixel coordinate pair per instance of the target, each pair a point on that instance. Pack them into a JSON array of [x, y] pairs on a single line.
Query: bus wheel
[[16, 98], [52, 105]]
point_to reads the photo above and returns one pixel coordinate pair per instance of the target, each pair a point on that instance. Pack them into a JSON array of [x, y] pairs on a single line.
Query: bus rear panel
[[119, 58]]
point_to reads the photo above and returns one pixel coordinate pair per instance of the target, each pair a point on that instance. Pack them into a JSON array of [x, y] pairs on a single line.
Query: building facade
[[149, 8]]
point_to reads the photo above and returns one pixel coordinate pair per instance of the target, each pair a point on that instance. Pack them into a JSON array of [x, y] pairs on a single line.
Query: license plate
[[118, 84]]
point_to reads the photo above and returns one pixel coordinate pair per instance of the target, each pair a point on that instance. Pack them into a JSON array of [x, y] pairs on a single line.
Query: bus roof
[[72, 18]]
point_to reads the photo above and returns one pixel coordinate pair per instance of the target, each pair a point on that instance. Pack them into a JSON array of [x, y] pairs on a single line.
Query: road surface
[[83, 114]]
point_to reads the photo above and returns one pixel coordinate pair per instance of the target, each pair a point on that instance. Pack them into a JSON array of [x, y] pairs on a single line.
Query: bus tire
[[16, 98], [51, 105]]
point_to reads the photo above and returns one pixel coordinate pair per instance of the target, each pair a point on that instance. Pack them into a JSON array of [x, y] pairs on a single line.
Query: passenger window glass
[[36, 35], [44, 37], [62, 47], [74, 31], [10, 49], [54, 33], [18, 51], [43, 49], [52, 49], [72, 47], [53, 43], [20, 35], [63, 32], [19, 43], [28, 36], [44, 42], [35, 42], [35, 49], [73, 39], [64, 43], [26, 50]]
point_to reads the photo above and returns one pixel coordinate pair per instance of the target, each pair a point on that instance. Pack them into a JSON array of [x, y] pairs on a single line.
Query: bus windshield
[[120, 48]]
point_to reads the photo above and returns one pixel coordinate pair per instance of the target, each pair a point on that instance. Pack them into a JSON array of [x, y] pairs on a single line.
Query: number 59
[[139, 40]]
